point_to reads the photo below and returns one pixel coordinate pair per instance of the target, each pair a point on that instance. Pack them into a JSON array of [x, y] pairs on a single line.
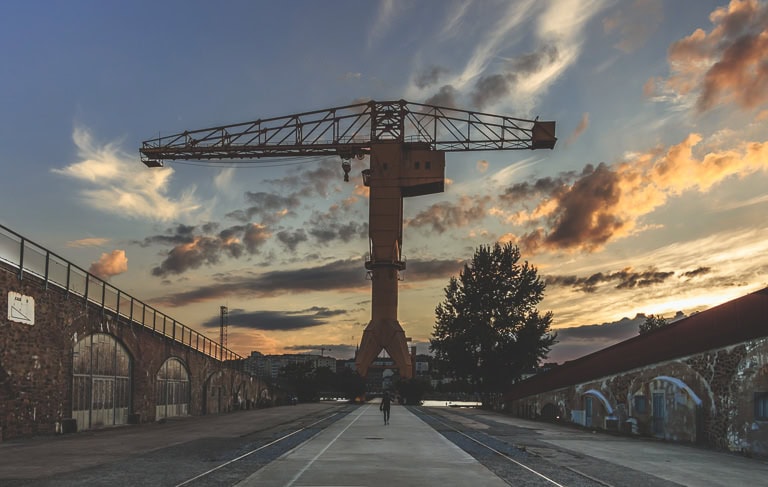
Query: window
[[427, 165], [641, 405], [761, 406], [416, 165]]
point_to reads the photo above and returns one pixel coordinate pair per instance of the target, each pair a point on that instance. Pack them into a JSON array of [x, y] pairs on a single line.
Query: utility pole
[[223, 330]]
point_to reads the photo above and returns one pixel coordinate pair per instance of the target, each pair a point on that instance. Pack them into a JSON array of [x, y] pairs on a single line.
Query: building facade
[[702, 380], [78, 354]]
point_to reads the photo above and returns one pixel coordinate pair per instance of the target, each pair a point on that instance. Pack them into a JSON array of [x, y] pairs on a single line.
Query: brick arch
[[172, 394], [101, 381]]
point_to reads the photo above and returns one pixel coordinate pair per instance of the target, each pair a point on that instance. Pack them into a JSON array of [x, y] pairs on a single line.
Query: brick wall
[[36, 361]]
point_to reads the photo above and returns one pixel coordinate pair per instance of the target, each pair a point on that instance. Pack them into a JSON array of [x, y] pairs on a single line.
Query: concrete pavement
[[683, 464], [360, 450]]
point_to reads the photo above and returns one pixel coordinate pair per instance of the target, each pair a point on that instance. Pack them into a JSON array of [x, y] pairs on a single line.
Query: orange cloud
[[88, 242], [726, 64], [606, 203], [110, 265]]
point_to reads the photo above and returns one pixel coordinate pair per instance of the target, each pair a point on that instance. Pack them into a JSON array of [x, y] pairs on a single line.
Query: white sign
[[21, 309]]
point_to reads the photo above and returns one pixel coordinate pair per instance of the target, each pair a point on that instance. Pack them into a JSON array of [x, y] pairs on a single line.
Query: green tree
[[299, 379], [413, 390], [488, 329], [652, 322]]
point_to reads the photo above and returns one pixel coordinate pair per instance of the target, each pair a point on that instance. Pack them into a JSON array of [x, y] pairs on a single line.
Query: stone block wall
[[709, 399]]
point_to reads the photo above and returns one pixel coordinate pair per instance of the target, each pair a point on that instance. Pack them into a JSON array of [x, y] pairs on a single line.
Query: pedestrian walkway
[[360, 449]]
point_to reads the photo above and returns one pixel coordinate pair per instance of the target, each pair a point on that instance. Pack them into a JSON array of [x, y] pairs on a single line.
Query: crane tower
[[406, 143]]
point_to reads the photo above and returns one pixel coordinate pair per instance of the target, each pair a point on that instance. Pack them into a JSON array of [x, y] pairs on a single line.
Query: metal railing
[[34, 260]]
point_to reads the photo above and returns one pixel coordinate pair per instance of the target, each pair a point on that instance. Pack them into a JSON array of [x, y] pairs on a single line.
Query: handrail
[[34, 259]]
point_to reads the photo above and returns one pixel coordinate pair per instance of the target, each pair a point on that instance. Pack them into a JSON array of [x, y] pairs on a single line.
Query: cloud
[[340, 275], [88, 242], [491, 76], [580, 129], [635, 23], [223, 180], [382, 21], [343, 275], [442, 216], [726, 64], [291, 239], [577, 341], [627, 279], [111, 264], [193, 248], [123, 187], [276, 320], [338, 223], [445, 97], [699, 271], [429, 76], [607, 202]]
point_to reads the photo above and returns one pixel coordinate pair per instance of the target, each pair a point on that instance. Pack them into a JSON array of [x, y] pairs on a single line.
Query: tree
[[488, 329], [413, 390], [652, 322]]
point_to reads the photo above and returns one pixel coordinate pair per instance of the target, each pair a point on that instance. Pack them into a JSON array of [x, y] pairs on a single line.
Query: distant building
[[269, 366]]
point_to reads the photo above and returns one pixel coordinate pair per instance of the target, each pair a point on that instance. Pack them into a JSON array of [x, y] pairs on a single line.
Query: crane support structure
[[406, 143]]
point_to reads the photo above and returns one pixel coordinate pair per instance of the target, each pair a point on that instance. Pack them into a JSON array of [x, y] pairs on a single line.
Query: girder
[[348, 131], [406, 143]]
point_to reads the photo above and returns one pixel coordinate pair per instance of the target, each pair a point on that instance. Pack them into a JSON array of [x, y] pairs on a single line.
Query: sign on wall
[[21, 309]]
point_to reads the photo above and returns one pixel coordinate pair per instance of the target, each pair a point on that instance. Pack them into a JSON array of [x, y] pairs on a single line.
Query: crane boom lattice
[[406, 143]]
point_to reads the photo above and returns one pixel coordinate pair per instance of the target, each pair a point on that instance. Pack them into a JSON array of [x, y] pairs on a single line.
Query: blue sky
[[653, 200]]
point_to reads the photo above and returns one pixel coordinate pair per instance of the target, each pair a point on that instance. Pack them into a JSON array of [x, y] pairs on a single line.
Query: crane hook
[[346, 166]]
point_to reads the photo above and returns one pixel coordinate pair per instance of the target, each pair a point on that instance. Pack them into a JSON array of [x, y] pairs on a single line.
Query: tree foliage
[[652, 322], [488, 329], [306, 382]]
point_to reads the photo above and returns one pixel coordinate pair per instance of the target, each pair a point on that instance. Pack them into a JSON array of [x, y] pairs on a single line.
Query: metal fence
[[34, 260]]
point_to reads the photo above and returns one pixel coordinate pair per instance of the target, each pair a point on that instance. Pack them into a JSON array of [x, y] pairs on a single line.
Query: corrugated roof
[[730, 323]]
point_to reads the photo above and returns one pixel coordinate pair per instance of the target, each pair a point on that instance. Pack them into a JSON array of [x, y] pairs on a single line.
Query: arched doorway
[[172, 389], [101, 384]]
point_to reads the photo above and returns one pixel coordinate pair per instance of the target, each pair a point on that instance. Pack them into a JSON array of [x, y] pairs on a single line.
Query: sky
[[652, 202]]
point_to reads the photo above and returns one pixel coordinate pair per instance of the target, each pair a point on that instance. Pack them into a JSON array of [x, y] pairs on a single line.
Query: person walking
[[386, 403]]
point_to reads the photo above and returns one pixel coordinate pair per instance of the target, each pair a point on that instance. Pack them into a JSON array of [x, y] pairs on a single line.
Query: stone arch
[[215, 393], [172, 389], [101, 382], [590, 415], [675, 409], [599, 395], [747, 429], [550, 412]]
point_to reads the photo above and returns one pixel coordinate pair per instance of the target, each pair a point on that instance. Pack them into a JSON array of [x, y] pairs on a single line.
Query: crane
[[406, 143]]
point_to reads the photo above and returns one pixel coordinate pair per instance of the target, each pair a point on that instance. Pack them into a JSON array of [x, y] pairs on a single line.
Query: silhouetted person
[[386, 403]]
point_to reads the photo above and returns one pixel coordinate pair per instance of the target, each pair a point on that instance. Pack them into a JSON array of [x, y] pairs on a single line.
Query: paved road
[[321, 440], [607, 457]]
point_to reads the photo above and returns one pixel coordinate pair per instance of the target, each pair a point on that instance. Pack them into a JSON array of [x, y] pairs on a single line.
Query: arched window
[[172, 390], [101, 388]]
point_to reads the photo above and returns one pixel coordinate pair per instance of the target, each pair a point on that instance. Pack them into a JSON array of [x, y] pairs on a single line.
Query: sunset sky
[[653, 201]]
